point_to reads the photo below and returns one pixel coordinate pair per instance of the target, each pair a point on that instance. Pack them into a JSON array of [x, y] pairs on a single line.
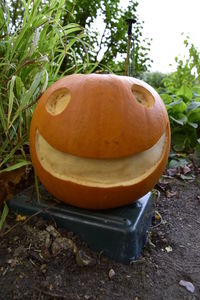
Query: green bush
[[181, 95], [31, 55], [155, 79]]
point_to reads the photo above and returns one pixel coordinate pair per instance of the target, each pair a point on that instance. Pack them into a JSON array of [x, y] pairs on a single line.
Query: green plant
[[188, 69], [3, 215], [110, 43], [182, 99], [31, 56], [155, 79], [184, 114]]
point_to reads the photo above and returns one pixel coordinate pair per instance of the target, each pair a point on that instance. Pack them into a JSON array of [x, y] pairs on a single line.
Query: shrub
[[182, 99], [31, 55]]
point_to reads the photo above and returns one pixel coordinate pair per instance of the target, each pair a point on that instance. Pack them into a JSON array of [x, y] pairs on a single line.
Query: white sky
[[164, 21]]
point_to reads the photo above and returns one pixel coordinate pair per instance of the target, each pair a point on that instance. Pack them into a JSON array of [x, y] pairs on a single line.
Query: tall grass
[[31, 56]]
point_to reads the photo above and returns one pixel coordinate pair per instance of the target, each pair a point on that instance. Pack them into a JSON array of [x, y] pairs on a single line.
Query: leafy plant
[[184, 114], [110, 43], [155, 79], [188, 70], [182, 99], [31, 56]]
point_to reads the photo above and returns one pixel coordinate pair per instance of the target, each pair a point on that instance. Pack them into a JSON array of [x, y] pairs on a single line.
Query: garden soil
[[34, 266]]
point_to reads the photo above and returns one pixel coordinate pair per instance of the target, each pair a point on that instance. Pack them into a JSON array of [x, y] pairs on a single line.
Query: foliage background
[[43, 40], [180, 92], [111, 41]]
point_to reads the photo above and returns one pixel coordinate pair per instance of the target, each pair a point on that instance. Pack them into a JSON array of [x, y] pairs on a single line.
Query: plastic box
[[119, 233]]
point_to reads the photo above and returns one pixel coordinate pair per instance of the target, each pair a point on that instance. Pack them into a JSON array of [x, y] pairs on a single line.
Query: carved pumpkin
[[99, 141]]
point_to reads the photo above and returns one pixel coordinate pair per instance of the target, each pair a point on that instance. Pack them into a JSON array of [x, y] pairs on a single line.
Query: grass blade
[[11, 99], [4, 215], [18, 165]]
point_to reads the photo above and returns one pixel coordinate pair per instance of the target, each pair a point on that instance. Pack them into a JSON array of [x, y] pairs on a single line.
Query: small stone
[[19, 251], [43, 268], [44, 238], [188, 285], [52, 231], [111, 273], [21, 276], [61, 244], [13, 262], [168, 249], [82, 259]]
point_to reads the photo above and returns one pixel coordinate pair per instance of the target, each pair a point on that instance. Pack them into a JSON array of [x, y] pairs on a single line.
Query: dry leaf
[[171, 194], [157, 216], [21, 218]]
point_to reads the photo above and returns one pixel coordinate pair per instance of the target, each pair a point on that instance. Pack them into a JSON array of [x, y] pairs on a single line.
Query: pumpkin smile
[[100, 172], [99, 141]]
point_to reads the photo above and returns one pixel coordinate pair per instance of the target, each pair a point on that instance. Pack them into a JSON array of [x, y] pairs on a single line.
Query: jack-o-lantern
[[99, 141]]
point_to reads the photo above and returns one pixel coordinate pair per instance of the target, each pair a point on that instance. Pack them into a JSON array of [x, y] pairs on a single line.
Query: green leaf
[[28, 95], [179, 141], [178, 106], [3, 117], [196, 89], [193, 106], [181, 119], [194, 125], [197, 151], [167, 98], [18, 165], [3, 215], [20, 89], [12, 152], [10, 99], [178, 163], [194, 117], [185, 92]]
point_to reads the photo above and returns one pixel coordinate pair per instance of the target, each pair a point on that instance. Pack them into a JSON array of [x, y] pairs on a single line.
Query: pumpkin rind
[[100, 117], [103, 118], [98, 197]]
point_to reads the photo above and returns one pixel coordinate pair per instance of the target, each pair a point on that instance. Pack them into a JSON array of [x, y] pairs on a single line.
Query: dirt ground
[[33, 266]]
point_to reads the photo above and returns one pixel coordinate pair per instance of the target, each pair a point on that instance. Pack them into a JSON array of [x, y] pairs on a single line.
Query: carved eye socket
[[58, 101], [143, 96]]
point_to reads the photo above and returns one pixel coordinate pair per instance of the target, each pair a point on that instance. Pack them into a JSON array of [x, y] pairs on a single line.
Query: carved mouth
[[100, 172]]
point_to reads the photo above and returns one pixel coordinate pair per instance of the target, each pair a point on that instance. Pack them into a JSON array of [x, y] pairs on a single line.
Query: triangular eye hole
[[143, 96], [58, 101]]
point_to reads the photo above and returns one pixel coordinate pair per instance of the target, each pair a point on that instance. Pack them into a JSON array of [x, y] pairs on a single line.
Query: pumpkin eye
[[143, 96], [58, 101]]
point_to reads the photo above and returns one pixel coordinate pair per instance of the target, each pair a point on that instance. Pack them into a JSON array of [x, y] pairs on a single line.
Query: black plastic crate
[[119, 233]]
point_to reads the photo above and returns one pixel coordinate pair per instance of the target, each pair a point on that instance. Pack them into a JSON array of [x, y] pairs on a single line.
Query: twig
[[167, 176], [100, 44], [53, 294], [161, 219]]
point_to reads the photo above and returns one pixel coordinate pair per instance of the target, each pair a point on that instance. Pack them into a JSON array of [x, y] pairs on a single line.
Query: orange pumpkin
[[99, 141]]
